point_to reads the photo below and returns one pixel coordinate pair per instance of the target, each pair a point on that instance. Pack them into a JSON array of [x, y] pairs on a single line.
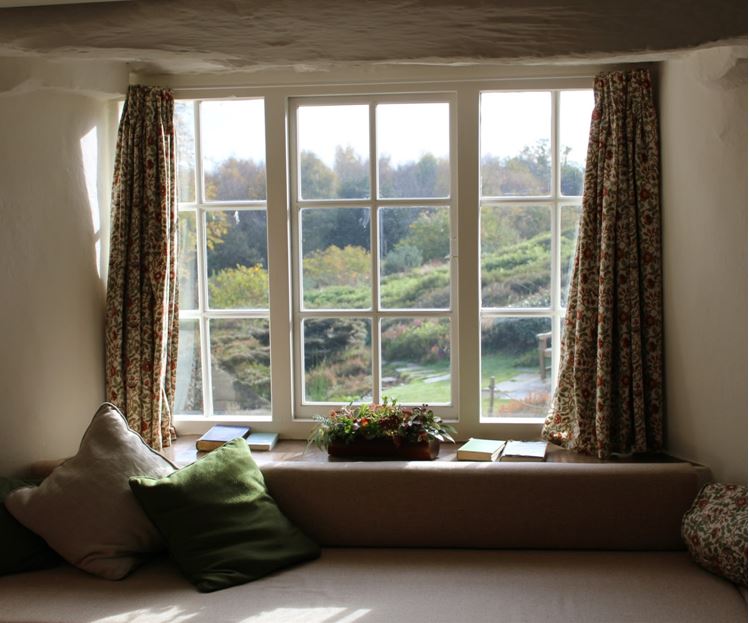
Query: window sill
[[183, 452]]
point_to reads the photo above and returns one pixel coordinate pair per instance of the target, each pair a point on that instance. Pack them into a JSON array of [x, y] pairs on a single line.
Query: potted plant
[[385, 430]]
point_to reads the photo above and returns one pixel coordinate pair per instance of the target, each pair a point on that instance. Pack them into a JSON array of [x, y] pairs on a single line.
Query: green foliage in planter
[[387, 420]]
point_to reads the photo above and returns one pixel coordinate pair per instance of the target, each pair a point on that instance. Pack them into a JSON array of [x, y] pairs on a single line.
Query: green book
[[218, 435], [480, 450]]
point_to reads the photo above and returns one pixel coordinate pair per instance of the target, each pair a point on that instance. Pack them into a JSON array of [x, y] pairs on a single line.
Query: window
[[421, 242], [533, 146], [223, 367], [373, 174]]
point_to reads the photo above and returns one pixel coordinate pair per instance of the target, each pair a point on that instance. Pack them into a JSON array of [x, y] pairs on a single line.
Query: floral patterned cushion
[[715, 530]]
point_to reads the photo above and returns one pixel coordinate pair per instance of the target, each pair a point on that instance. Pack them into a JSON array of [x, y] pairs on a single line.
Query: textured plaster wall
[[51, 316], [703, 104]]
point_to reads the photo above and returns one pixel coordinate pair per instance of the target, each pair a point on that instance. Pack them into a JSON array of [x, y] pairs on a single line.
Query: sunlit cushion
[[85, 509]]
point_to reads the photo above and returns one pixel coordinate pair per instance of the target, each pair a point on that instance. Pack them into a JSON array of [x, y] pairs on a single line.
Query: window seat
[[567, 502], [572, 540]]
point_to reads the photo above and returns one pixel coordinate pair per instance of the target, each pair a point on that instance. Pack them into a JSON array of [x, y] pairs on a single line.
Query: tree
[[527, 173], [317, 180], [572, 174], [237, 238], [236, 179], [430, 234], [351, 174], [427, 177]]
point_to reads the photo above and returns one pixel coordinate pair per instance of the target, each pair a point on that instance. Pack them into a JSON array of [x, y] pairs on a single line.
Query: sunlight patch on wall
[[90, 162]]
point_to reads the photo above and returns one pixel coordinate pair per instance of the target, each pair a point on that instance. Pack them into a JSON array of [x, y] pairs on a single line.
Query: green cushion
[[221, 525], [22, 550]]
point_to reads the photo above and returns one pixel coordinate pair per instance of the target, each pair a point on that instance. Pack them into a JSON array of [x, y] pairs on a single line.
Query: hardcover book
[[262, 441], [480, 450], [218, 435]]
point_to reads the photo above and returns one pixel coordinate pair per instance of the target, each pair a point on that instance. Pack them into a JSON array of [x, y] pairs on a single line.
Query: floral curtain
[[141, 308], [610, 393]]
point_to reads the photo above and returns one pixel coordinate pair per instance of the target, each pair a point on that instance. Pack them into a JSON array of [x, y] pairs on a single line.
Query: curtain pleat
[[141, 309], [609, 397]]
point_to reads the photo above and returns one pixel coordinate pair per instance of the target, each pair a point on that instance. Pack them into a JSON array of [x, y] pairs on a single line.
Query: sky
[[405, 132]]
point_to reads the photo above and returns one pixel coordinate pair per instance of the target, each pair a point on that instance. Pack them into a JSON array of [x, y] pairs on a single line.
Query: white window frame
[[464, 86], [305, 410], [555, 201], [201, 208]]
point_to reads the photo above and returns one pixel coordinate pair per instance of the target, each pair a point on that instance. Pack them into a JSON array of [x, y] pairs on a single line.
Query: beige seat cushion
[[85, 509], [398, 585]]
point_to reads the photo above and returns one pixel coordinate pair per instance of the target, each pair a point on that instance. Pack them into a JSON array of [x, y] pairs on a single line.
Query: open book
[[498, 450], [519, 451]]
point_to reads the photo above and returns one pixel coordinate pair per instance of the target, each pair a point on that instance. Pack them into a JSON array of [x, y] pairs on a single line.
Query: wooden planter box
[[385, 449]]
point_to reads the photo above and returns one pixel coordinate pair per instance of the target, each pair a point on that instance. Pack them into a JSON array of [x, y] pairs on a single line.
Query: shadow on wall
[[51, 323]]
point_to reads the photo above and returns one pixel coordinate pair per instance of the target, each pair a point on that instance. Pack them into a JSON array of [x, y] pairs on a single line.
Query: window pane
[[337, 359], [188, 261], [515, 367], [336, 261], [184, 125], [413, 150], [333, 151], [574, 128], [188, 395], [240, 365], [415, 258], [233, 148], [416, 360], [515, 256], [568, 244], [237, 257], [515, 140]]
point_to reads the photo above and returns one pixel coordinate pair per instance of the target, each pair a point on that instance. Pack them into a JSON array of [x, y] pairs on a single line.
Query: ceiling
[[183, 36]]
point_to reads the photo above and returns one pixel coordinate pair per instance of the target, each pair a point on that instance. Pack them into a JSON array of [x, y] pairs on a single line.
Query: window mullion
[[374, 231], [200, 225], [469, 291], [556, 259], [278, 259]]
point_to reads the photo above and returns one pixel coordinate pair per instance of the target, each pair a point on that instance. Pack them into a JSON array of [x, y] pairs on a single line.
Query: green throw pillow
[[221, 525], [22, 549]]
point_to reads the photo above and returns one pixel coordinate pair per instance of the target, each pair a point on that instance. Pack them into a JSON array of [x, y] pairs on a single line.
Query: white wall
[[51, 315], [703, 116]]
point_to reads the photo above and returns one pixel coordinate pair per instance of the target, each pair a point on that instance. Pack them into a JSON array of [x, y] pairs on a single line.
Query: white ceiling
[[197, 35]]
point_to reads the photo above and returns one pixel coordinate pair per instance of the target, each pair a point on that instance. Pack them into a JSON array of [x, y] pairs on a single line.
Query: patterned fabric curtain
[[141, 310], [610, 393]]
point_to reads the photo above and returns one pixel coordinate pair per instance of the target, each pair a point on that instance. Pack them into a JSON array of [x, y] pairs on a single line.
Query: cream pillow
[[85, 509]]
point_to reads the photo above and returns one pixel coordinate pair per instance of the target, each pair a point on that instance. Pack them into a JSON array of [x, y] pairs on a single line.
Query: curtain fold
[[609, 397], [141, 308]]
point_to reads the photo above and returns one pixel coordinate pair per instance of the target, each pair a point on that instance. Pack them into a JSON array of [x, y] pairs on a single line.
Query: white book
[[519, 451]]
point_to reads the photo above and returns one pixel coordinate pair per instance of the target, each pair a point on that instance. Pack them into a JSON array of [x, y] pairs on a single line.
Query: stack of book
[[217, 436], [497, 450]]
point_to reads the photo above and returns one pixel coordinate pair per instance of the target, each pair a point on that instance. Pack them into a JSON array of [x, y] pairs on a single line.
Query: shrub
[[243, 286], [400, 259], [422, 341], [348, 266], [513, 335]]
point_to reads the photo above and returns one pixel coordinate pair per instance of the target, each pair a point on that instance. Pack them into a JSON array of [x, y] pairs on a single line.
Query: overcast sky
[[405, 132]]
